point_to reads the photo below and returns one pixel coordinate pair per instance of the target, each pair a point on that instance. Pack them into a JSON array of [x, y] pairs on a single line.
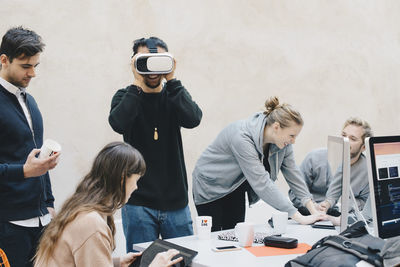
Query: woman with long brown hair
[[82, 234]]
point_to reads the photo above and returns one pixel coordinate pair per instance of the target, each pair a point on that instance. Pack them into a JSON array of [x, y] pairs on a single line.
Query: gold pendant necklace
[[155, 134]]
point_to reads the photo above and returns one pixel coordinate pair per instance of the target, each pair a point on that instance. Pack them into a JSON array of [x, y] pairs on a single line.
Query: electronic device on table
[[323, 225], [226, 248], [383, 158], [339, 163], [160, 246]]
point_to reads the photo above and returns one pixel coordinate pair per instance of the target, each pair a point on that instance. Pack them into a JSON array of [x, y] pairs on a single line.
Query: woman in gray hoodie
[[246, 156]]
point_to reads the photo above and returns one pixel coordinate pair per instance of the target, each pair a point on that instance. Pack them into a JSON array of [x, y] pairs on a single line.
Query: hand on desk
[[335, 220], [308, 219]]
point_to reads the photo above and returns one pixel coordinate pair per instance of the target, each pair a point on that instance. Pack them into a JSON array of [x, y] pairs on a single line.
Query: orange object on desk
[[262, 251]]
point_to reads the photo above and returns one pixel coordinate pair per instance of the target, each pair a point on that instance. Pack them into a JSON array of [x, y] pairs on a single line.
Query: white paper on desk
[[363, 264]]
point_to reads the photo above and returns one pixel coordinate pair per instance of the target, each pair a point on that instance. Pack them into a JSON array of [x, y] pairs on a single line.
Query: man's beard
[[150, 82], [18, 83], [152, 86], [355, 154]]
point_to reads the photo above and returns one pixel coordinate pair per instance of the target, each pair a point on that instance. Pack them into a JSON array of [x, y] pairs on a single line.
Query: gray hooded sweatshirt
[[317, 175], [236, 155], [358, 182]]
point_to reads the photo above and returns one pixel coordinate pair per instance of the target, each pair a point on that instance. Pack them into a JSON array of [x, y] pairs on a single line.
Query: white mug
[[203, 227], [280, 221], [49, 148], [244, 231]]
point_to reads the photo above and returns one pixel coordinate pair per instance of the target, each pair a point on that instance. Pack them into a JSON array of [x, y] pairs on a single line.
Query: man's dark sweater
[[20, 198], [135, 114]]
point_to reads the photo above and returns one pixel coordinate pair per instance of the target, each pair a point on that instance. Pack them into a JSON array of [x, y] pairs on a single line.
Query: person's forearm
[[308, 219], [311, 207], [297, 217], [49, 192], [188, 112], [294, 178], [124, 110], [11, 172]]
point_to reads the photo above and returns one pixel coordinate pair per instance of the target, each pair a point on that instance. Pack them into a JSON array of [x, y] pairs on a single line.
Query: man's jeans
[[143, 224]]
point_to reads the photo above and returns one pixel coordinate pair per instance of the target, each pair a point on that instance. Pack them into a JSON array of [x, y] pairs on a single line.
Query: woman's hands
[[163, 259], [308, 219], [127, 259], [324, 206], [312, 207]]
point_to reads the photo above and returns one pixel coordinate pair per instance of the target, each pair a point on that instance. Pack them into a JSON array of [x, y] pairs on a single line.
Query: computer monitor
[[383, 158], [339, 163]]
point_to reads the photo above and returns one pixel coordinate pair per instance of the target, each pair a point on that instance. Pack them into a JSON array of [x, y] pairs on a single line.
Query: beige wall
[[330, 59]]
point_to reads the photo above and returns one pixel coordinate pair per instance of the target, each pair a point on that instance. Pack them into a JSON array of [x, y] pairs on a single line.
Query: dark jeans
[[331, 211], [226, 212], [19, 243], [141, 224]]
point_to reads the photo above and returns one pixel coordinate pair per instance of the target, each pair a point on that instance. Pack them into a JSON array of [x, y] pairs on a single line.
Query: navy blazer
[[20, 198]]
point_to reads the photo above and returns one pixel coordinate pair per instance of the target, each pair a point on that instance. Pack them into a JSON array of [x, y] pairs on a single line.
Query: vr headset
[[153, 62]]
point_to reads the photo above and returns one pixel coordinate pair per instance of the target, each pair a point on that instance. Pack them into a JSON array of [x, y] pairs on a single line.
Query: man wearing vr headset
[[149, 115]]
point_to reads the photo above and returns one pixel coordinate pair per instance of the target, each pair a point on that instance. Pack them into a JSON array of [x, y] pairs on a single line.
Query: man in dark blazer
[[26, 199]]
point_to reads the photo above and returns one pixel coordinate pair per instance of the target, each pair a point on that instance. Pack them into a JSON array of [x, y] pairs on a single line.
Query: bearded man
[[149, 114]]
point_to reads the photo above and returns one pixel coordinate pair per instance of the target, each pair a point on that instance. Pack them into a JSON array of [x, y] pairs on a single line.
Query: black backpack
[[344, 250]]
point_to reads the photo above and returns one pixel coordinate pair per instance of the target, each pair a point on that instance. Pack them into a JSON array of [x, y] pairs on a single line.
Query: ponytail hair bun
[[285, 114], [271, 104]]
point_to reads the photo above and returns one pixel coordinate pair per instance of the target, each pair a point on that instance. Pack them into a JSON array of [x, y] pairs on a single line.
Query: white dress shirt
[[19, 93]]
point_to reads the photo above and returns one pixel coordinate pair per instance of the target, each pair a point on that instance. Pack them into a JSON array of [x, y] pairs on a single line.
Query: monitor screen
[[383, 155], [339, 164]]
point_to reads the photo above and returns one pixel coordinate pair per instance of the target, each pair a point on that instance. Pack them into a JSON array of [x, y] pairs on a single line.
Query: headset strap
[[151, 45]]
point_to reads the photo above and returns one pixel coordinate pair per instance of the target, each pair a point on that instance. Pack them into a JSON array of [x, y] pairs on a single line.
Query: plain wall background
[[329, 59]]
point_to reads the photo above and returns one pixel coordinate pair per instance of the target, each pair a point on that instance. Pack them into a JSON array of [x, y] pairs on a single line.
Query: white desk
[[240, 258]]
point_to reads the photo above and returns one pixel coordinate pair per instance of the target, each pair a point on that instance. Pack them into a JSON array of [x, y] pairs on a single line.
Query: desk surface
[[209, 258]]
